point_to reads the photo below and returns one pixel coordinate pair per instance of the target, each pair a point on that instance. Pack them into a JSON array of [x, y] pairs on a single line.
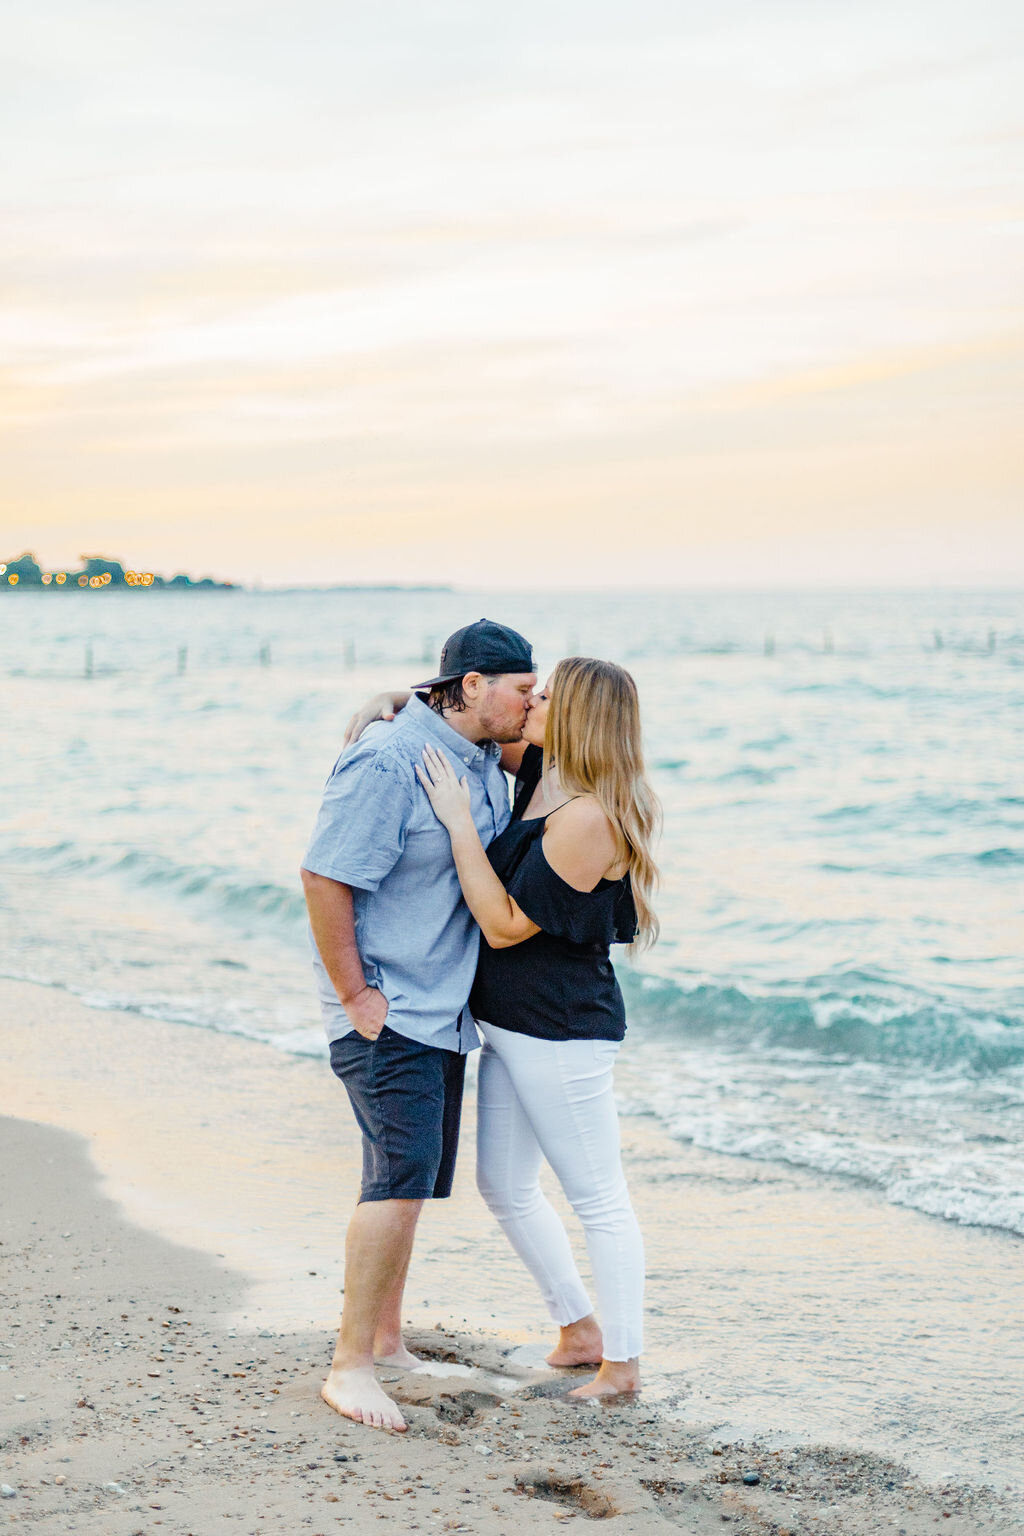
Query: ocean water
[[840, 982]]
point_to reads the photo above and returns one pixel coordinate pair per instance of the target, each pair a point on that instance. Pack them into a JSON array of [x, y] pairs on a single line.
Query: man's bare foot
[[357, 1395], [578, 1344], [400, 1359], [616, 1378]]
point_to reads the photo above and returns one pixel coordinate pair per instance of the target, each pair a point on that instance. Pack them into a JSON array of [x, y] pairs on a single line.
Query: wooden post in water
[[88, 660], [182, 659]]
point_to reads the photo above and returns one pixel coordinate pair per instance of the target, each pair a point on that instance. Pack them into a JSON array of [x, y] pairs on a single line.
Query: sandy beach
[[174, 1208]]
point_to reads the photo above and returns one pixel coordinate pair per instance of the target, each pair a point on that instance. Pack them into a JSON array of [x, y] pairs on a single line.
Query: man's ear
[[473, 684]]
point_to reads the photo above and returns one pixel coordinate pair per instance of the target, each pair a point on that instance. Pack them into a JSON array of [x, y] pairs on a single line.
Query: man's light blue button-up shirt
[[377, 833]]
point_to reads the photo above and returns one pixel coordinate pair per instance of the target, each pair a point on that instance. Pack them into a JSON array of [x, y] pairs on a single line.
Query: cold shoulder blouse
[[560, 984]]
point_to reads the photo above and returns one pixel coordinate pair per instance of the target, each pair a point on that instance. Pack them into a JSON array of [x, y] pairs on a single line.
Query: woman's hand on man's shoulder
[[383, 706], [580, 843]]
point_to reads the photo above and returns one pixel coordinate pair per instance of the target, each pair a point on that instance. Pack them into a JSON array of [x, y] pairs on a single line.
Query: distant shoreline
[[234, 586], [98, 572], [354, 586]]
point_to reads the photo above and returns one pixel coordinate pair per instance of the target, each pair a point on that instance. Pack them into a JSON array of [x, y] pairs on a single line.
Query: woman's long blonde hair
[[592, 739]]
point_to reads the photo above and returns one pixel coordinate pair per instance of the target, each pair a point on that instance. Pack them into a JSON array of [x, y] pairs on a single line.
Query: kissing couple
[[415, 856]]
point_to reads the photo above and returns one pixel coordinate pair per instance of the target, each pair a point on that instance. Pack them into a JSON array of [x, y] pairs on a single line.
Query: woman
[[570, 875]]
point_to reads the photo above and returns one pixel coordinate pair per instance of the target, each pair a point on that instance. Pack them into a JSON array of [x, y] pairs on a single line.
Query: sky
[[559, 294]]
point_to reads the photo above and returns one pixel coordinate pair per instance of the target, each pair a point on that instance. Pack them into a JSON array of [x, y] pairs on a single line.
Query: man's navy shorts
[[407, 1099]]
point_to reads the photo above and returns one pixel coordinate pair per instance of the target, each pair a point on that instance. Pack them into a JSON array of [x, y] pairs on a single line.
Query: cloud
[[359, 269]]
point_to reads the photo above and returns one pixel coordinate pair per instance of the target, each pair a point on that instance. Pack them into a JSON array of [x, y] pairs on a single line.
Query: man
[[395, 952]]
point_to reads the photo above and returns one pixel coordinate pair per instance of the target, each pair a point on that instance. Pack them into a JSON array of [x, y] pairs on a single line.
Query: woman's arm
[[501, 921], [383, 706], [512, 756]]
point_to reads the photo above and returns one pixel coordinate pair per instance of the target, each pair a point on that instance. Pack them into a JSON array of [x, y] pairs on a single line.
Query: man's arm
[[334, 931]]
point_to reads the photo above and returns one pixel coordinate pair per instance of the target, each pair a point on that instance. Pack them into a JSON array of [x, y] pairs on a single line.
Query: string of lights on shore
[[60, 578]]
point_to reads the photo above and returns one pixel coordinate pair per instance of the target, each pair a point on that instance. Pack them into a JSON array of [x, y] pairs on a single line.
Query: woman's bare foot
[[614, 1379], [578, 1344], [357, 1395], [400, 1359]]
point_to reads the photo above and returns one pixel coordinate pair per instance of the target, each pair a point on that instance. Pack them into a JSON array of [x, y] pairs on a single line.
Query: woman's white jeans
[[554, 1099]]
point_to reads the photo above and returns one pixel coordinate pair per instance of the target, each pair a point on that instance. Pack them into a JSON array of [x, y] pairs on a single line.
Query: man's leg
[[406, 1097], [377, 1251], [388, 1343], [389, 1346]]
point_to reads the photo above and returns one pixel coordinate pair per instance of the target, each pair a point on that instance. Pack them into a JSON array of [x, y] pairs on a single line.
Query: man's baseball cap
[[481, 647]]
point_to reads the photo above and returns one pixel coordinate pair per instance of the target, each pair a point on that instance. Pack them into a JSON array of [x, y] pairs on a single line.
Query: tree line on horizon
[[96, 573]]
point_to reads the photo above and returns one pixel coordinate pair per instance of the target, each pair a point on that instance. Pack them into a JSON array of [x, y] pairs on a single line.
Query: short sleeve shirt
[[376, 832]]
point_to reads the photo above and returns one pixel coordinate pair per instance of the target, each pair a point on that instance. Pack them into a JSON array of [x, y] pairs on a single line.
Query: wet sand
[[174, 1209]]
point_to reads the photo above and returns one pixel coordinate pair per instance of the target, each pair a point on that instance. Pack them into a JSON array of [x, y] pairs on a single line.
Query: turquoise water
[[840, 981]]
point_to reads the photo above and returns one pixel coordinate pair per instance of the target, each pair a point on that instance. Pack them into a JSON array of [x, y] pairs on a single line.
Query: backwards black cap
[[481, 647]]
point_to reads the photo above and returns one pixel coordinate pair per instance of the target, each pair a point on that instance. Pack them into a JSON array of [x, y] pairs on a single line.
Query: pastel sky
[[548, 294]]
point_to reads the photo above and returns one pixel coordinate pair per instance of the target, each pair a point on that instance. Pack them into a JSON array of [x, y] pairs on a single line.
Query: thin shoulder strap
[[563, 805]]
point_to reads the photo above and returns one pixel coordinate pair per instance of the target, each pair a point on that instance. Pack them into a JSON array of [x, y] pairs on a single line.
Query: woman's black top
[[559, 984]]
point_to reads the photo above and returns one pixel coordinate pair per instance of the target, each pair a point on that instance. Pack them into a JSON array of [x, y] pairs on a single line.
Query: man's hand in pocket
[[367, 1012]]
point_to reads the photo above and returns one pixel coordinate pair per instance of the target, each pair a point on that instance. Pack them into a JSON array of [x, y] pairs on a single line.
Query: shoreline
[[246, 1162], [148, 1413]]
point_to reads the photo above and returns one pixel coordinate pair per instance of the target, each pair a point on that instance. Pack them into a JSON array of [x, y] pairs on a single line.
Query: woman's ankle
[[624, 1375], [584, 1329], [579, 1343]]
